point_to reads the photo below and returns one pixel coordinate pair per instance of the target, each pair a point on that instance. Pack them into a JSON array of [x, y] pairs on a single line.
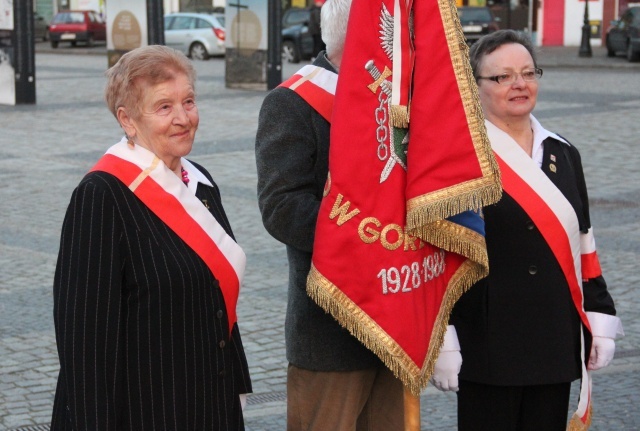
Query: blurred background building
[[550, 22]]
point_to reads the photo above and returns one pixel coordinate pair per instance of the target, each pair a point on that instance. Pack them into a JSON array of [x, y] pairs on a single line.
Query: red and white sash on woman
[[556, 219], [178, 207], [317, 86]]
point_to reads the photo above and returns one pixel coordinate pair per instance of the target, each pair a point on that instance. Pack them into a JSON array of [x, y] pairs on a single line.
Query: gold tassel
[[399, 116], [575, 424]]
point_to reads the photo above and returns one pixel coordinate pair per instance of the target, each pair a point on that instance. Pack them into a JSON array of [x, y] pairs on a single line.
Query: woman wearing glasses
[[543, 316]]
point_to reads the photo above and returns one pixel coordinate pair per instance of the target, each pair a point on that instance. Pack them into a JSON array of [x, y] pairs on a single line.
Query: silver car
[[198, 35]]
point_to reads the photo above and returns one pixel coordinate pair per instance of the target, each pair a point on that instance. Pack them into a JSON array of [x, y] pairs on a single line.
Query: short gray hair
[[152, 65], [334, 17], [489, 43]]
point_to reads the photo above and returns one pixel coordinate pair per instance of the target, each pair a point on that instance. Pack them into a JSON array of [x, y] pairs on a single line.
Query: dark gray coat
[[292, 150]]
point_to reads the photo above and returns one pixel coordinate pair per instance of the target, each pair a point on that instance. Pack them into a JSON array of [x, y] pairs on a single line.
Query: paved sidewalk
[[45, 150], [555, 56]]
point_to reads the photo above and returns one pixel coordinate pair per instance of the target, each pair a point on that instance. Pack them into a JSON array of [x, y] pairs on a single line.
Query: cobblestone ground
[[45, 150]]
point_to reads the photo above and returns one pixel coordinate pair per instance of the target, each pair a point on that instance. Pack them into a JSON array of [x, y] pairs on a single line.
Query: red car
[[77, 26]]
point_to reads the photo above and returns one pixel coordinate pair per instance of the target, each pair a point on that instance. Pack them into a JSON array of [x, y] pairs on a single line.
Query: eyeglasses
[[510, 78]]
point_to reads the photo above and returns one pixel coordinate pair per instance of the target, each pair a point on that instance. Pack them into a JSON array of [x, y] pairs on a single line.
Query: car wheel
[[289, 52], [54, 44], [74, 43], [90, 40], [610, 51], [198, 52], [631, 54]]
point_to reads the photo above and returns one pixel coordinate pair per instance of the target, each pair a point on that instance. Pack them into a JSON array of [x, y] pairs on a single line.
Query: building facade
[[550, 22]]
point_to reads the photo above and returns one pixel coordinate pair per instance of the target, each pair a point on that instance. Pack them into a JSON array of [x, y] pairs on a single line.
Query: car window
[[95, 17], [68, 18], [183, 23], [636, 17], [296, 17], [167, 22], [200, 23], [77, 17], [220, 20], [475, 14]]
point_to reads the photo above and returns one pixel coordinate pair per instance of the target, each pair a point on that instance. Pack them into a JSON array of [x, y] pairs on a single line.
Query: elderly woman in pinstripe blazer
[[148, 272]]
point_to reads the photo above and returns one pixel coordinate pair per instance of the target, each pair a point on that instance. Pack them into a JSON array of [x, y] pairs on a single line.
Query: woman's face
[[507, 103], [167, 120]]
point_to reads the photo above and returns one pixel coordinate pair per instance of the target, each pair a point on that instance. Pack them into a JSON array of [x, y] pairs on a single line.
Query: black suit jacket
[[519, 325], [140, 320]]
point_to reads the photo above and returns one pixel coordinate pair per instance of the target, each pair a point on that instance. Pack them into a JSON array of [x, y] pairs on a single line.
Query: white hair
[[334, 17]]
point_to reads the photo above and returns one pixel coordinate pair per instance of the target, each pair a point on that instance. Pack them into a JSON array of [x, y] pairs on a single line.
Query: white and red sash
[[178, 207], [557, 221], [317, 86]]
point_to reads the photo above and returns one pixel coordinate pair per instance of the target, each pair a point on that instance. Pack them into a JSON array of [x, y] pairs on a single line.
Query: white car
[[198, 35]]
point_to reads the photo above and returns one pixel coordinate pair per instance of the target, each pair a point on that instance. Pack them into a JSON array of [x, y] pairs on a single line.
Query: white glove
[[243, 400], [445, 374], [602, 350]]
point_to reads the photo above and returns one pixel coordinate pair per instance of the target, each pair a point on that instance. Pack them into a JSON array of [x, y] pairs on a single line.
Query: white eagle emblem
[[386, 31]]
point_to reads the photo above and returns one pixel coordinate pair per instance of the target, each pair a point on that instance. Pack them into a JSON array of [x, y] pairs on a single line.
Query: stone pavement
[[45, 149]]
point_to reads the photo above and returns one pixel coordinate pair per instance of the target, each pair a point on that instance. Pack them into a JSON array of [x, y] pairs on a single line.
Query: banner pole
[[411, 411]]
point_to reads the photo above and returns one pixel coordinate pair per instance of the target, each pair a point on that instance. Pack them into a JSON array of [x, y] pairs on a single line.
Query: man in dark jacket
[[333, 381], [314, 28]]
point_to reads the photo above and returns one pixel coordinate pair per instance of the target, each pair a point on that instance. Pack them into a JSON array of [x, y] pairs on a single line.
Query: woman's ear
[[126, 122]]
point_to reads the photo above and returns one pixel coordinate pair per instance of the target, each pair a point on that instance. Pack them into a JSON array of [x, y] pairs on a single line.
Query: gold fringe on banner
[[455, 238], [472, 195], [368, 332]]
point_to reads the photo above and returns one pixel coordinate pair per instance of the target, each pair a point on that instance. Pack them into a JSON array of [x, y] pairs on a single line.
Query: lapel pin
[[206, 204], [552, 167], [553, 158]]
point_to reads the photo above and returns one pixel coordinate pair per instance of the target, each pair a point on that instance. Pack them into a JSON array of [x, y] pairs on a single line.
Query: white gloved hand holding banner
[[602, 351], [604, 329], [445, 374]]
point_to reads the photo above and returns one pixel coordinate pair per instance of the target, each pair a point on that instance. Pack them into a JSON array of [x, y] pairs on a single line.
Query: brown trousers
[[365, 400]]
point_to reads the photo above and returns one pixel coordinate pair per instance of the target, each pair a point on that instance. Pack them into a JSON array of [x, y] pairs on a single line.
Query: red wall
[[553, 23]]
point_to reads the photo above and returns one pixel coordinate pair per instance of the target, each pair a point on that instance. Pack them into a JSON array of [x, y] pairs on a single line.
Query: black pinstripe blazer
[[140, 321]]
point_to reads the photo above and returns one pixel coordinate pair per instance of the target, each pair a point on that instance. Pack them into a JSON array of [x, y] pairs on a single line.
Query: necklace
[[185, 176]]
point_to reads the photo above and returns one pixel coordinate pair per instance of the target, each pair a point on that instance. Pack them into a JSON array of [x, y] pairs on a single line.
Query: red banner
[[397, 240]]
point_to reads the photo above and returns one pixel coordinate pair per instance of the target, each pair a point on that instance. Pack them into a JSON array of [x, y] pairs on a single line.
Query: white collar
[[195, 176], [539, 135]]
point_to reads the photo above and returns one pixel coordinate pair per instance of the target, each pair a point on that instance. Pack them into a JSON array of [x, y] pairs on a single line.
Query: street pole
[[19, 40], [274, 49], [585, 46], [155, 19]]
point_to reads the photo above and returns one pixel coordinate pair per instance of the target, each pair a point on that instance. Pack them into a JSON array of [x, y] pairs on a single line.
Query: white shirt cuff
[[605, 325], [451, 343]]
